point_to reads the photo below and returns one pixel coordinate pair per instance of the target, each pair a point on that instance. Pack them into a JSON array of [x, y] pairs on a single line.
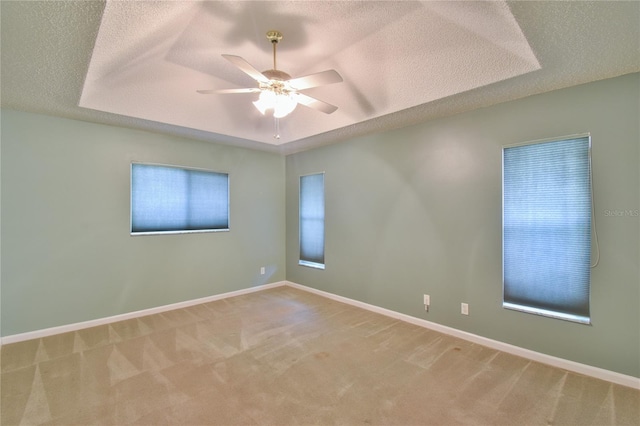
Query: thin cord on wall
[[593, 213]]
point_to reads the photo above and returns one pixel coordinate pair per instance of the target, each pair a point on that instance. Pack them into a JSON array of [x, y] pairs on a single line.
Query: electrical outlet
[[427, 299], [262, 270], [464, 308]]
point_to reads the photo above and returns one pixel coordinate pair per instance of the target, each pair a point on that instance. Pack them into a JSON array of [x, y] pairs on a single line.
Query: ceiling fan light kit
[[278, 91], [282, 104]]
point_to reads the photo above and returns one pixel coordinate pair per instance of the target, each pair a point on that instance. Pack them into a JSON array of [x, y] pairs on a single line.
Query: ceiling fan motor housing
[[276, 75], [277, 82]]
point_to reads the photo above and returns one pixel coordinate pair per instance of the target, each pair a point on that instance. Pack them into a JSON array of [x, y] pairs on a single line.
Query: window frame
[[586, 320], [303, 262], [184, 231]]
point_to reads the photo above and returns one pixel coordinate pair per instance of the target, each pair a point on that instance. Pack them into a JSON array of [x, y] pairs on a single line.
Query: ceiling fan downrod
[[274, 37]]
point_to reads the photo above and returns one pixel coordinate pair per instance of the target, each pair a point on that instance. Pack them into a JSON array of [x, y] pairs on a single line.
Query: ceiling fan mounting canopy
[[277, 88], [274, 36]]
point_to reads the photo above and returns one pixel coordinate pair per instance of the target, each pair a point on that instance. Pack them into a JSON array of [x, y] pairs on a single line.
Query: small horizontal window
[[168, 199]]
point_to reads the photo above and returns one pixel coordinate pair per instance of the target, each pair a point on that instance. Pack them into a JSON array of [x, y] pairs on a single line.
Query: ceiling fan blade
[[314, 80], [246, 67], [315, 103], [249, 90]]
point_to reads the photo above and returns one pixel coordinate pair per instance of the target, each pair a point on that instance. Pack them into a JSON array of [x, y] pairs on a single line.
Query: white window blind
[[547, 228], [312, 220], [173, 199]]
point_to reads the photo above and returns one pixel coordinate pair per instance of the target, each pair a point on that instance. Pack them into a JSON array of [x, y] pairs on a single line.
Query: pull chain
[[276, 124]]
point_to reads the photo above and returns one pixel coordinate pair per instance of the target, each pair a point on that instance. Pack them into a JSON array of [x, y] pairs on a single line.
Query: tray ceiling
[[139, 63]]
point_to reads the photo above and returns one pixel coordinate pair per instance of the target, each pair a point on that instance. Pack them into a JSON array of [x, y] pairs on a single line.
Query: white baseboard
[[576, 367], [129, 315], [587, 370]]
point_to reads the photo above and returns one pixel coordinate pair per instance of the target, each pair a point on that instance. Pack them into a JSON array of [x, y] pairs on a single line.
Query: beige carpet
[[287, 357]]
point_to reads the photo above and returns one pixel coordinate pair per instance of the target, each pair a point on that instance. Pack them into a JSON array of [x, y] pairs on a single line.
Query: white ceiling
[[138, 64]]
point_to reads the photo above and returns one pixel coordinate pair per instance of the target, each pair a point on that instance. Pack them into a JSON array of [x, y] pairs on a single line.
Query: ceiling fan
[[278, 91]]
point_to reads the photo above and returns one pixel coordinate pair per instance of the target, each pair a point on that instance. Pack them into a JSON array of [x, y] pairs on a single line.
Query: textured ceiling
[[149, 59], [138, 64]]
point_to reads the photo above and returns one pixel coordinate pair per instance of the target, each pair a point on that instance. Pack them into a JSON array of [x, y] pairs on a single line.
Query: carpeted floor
[[287, 357]]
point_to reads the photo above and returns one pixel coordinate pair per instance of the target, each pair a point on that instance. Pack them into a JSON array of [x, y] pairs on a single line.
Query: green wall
[[67, 255], [408, 212], [418, 210]]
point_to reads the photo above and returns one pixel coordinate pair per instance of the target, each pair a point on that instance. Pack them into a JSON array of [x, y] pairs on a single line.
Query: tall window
[[312, 220], [547, 228], [167, 199]]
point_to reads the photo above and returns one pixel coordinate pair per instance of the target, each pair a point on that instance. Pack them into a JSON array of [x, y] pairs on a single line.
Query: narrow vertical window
[[166, 199], [312, 220], [547, 228]]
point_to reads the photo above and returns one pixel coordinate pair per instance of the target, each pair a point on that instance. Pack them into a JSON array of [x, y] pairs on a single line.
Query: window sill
[[311, 264]]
